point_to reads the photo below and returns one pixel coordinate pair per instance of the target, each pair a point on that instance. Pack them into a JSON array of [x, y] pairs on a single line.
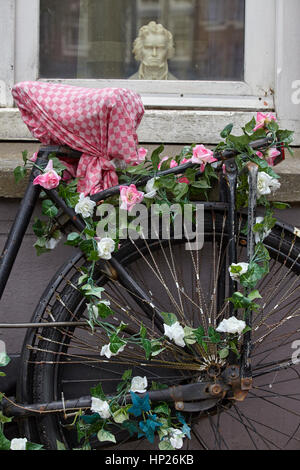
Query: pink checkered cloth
[[100, 123]]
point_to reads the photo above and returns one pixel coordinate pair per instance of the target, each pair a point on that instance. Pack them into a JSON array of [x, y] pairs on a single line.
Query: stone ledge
[[11, 156]]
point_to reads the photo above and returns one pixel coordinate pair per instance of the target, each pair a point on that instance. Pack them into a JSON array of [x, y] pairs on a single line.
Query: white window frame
[[203, 106]]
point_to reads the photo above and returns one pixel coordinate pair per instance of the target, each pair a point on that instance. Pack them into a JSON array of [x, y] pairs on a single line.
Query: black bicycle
[[251, 401]]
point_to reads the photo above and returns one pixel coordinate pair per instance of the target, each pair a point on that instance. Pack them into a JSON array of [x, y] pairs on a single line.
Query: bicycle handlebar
[[223, 156], [67, 152]]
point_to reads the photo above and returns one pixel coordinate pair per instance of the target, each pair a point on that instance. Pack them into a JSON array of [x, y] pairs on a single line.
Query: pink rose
[[202, 156], [49, 179], [142, 152], [172, 164], [185, 160], [130, 196], [262, 119], [183, 179], [34, 157], [271, 155]]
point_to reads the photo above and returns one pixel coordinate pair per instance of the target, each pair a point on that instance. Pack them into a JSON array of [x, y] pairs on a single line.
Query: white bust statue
[[153, 47]]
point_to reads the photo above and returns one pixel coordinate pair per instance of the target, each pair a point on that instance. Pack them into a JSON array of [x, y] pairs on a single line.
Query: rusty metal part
[[239, 389], [179, 405], [198, 406], [216, 389], [194, 397], [246, 383]]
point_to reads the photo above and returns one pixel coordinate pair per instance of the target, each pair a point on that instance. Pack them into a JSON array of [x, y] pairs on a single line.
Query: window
[[94, 39], [230, 57]]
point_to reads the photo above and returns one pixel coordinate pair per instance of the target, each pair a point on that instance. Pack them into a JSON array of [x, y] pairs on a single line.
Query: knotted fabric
[[100, 123]]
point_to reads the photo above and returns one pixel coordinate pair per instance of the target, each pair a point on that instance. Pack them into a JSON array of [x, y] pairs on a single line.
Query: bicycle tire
[[40, 382]]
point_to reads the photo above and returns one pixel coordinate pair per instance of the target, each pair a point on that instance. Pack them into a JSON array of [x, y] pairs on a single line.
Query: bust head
[[154, 45]]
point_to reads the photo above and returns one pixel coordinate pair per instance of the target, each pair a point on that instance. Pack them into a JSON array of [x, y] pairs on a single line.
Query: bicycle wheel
[[67, 360]]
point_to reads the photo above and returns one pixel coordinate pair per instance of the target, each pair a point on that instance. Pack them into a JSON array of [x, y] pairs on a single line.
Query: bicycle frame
[[239, 378]]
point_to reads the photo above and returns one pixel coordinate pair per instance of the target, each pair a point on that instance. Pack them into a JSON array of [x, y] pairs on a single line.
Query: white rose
[[266, 184], [105, 247], [175, 332], [139, 384], [101, 407], [18, 443], [257, 235], [236, 276], [150, 189], [176, 438], [85, 206], [231, 325], [105, 351], [51, 244]]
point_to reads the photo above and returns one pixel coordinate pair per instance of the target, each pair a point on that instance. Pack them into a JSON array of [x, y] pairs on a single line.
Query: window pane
[[95, 39]]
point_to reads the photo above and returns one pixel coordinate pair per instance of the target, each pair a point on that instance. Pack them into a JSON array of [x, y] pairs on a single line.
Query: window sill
[[167, 126]]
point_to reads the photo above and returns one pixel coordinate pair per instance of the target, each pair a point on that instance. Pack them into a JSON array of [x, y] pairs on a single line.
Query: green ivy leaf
[[223, 353], [157, 386], [285, 136], [104, 436], [39, 227], [201, 184], [189, 336], [226, 131], [273, 126], [19, 173], [250, 126], [162, 408], [147, 347], [25, 156], [165, 445], [169, 318], [127, 375], [60, 445], [90, 290], [115, 343], [253, 275], [4, 359], [33, 446], [120, 415], [49, 209], [213, 335], [155, 156], [167, 181], [104, 310], [73, 239], [4, 419], [97, 392], [234, 348], [39, 246], [4, 443], [179, 190], [87, 246], [254, 295], [143, 331]]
